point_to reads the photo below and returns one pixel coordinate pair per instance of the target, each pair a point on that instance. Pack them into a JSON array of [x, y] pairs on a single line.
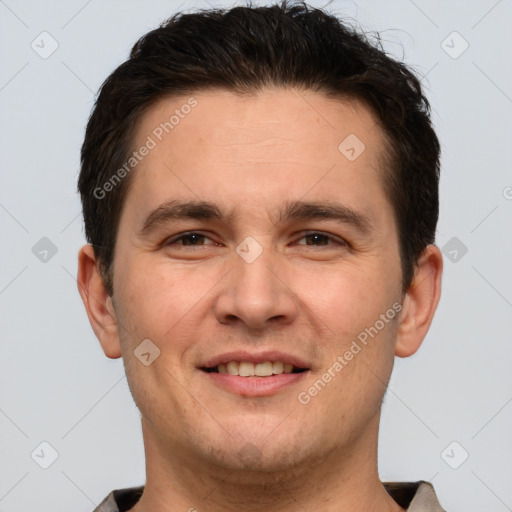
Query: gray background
[[57, 386]]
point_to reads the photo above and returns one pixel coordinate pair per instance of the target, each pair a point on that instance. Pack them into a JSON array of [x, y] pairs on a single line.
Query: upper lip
[[255, 358]]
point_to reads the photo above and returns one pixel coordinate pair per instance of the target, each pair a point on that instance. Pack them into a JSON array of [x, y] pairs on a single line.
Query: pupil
[[193, 239], [317, 239]]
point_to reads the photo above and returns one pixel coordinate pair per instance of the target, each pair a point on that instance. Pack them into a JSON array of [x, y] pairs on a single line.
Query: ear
[[420, 302], [97, 302]]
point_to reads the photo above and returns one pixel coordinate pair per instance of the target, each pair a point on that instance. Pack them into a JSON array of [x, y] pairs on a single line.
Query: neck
[[343, 480]]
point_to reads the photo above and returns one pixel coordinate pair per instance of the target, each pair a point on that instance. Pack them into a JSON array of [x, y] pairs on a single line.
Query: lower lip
[[255, 386]]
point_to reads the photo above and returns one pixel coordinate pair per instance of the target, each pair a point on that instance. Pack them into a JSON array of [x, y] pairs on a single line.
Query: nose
[[256, 294]]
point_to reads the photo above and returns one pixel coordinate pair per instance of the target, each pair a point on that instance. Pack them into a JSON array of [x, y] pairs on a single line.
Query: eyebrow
[[177, 210], [300, 210], [292, 210]]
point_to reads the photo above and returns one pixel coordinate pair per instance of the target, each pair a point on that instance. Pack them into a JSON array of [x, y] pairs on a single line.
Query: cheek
[[157, 298], [345, 299]]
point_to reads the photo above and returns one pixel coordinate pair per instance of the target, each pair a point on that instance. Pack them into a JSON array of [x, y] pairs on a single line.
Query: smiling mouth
[[248, 369]]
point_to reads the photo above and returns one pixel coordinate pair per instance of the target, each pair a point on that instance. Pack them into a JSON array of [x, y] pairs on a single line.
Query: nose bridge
[[254, 293]]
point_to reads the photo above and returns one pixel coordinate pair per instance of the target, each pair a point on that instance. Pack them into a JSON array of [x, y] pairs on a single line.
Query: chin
[[252, 456]]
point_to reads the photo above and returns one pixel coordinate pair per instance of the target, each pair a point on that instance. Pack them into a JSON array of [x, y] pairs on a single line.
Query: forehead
[[226, 121], [218, 144]]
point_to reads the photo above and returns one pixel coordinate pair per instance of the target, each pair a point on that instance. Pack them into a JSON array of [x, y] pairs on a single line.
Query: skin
[[216, 450]]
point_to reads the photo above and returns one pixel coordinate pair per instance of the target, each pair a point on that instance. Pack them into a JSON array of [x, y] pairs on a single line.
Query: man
[[260, 192]]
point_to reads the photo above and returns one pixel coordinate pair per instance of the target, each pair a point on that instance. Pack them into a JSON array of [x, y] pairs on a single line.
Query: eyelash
[[183, 236]]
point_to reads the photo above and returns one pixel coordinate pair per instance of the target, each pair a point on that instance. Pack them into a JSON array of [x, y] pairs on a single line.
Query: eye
[[191, 239], [317, 239]]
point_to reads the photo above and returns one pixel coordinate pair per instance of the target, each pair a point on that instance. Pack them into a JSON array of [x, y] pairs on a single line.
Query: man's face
[[269, 280]]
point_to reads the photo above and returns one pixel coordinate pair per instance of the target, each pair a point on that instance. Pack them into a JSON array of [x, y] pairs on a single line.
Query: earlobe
[[97, 302], [420, 302]]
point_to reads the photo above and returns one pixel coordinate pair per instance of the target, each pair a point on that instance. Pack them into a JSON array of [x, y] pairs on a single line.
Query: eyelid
[[179, 236], [338, 240]]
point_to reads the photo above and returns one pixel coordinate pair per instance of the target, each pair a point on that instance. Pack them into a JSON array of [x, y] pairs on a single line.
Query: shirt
[[414, 496]]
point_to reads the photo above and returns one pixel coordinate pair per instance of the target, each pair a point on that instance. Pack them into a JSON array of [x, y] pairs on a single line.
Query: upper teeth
[[247, 369]]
